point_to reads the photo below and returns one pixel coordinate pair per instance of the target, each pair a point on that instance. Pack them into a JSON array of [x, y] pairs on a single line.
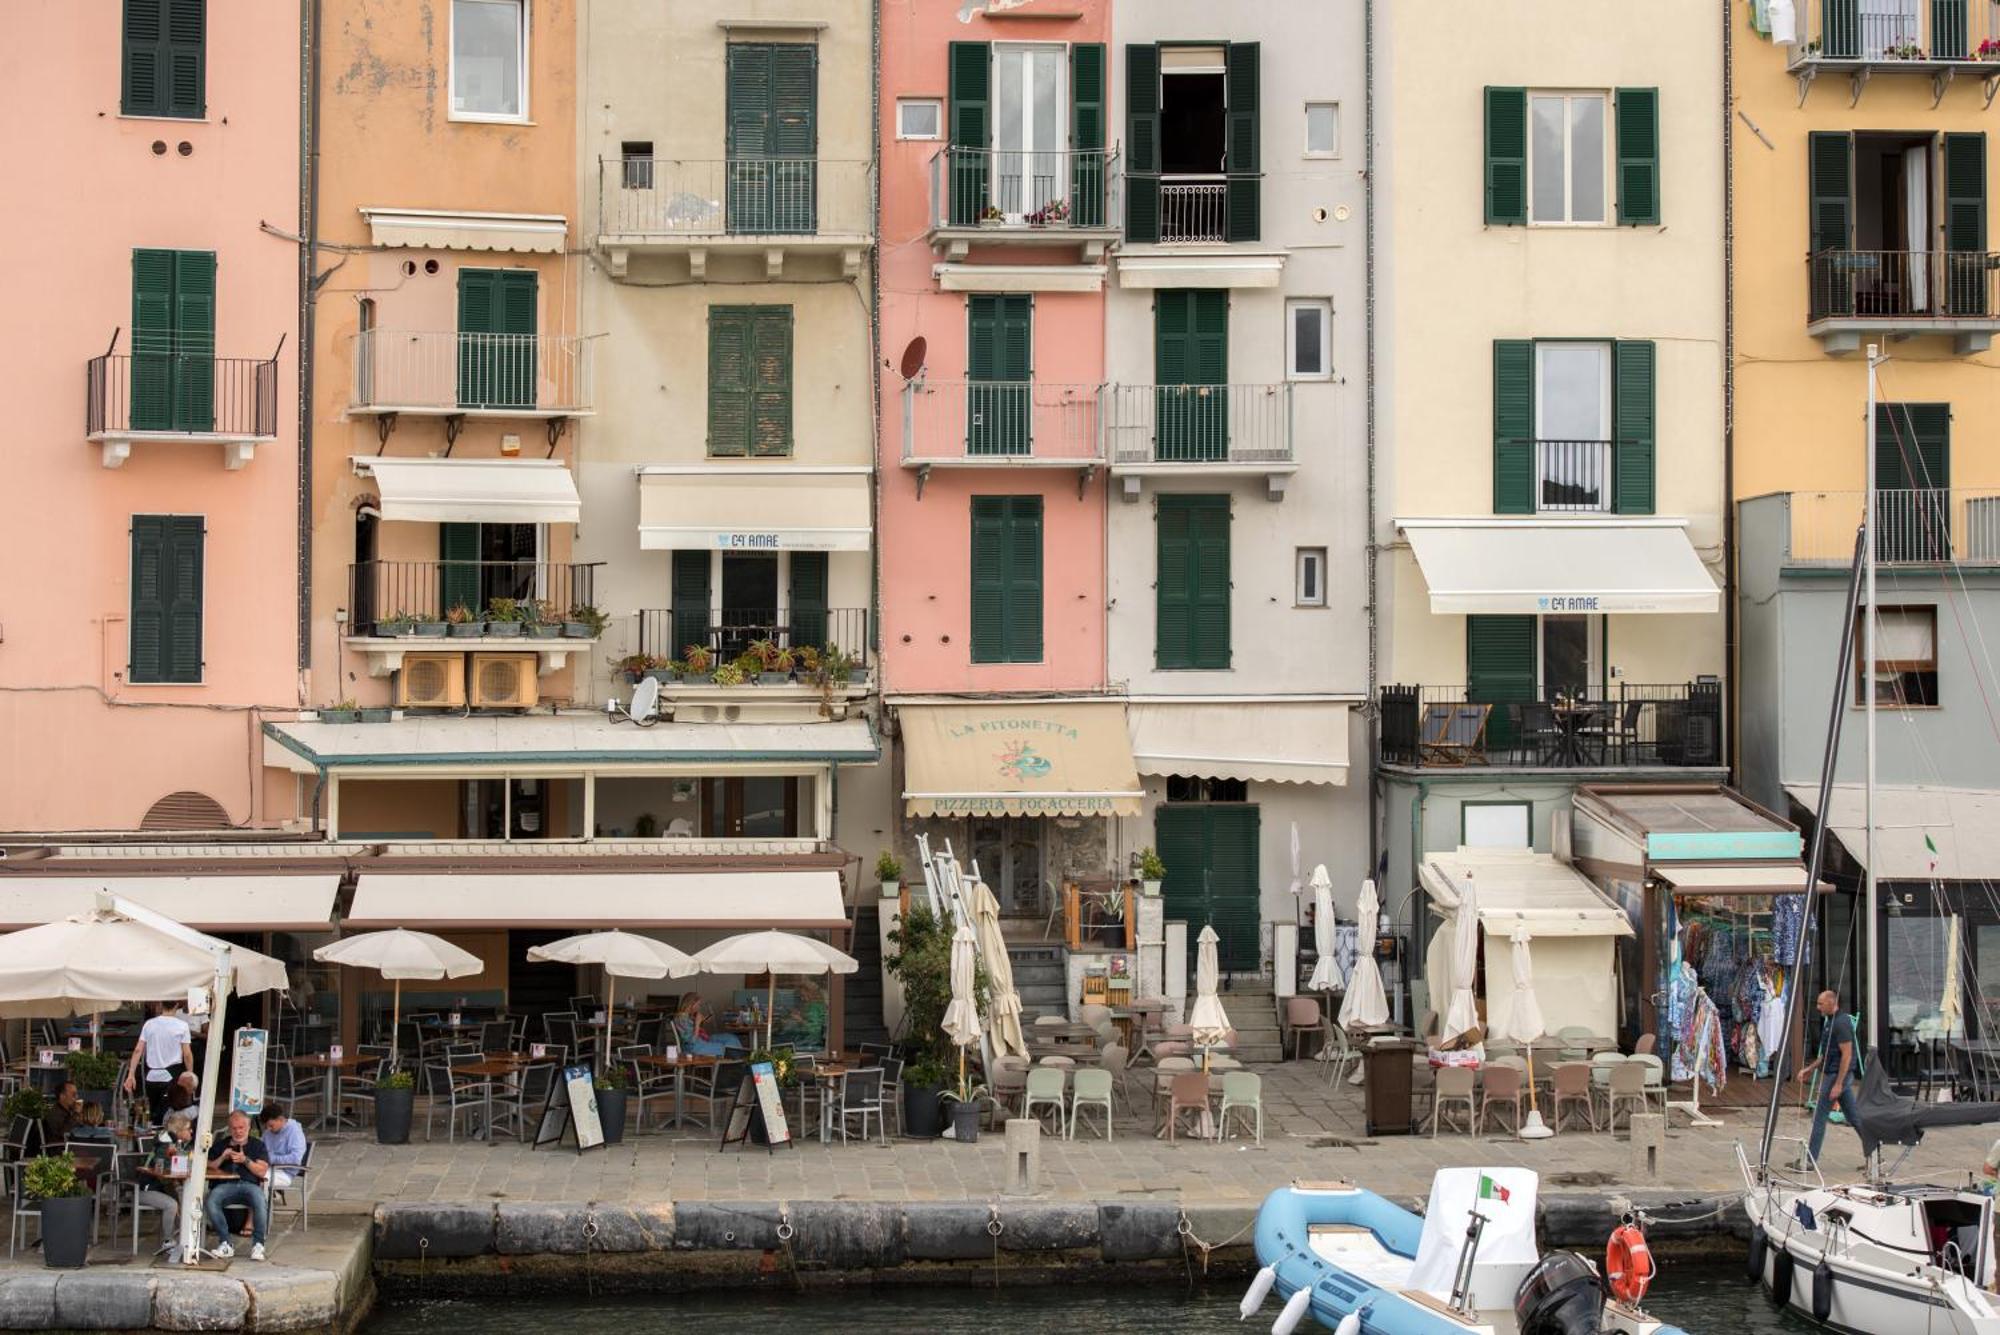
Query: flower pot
[[66, 1232], [392, 1115], [923, 1115], [339, 715], [506, 630], [611, 1115], [429, 630], [544, 630], [660, 675], [1150, 889], [382, 715], [388, 629], [965, 1122], [892, 890], [463, 630], [576, 630], [773, 678]]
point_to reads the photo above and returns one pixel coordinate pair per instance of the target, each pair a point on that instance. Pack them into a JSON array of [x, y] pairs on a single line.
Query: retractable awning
[[1022, 758], [763, 509], [590, 900], [1921, 833], [1540, 565], [1536, 890], [1784, 878], [558, 742], [1267, 741], [206, 903], [473, 491]]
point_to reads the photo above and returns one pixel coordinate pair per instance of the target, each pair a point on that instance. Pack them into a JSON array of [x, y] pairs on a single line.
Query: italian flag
[[1489, 1190]]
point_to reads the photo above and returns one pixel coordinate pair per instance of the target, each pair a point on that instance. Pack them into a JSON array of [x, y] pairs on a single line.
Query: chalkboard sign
[[571, 1111], [759, 1111]]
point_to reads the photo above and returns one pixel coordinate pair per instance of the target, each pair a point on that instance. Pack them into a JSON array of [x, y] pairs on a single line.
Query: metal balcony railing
[[1902, 286], [1194, 208], [429, 590], [666, 634], [1221, 424], [1012, 190], [1630, 726], [968, 421], [1885, 31], [693, 200], [180, 393], [443, 371], [1572, 475], [1913, 526]]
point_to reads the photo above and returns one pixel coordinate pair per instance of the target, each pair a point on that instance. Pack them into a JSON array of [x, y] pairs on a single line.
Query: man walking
[[244, 1157], [166, 1049], [1837, 1055]]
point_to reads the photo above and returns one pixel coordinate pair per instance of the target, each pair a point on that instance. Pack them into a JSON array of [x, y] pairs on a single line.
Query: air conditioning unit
[[431, 681], [503, 681]]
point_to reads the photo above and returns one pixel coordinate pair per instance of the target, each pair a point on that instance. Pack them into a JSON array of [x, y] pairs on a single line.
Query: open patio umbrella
[[961, 1017], [620, 955], [773, 953], [396, 954], [1003, 1003], [1462, 1014], [1207, 1019], [1326, 973], [1525, 1025]]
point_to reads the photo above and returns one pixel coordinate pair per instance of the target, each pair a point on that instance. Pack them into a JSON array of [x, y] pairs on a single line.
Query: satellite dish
[[912, 364], [645, 701]]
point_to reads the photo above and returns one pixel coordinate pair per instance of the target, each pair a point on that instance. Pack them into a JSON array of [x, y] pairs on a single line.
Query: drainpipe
[[1368, 709], [309, 54], [1418, 900], [875, 335], [1729, 628]]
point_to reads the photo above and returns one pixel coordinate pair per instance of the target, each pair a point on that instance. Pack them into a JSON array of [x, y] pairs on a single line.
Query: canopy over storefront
[[1268, 741], [1921, 833], [473, 491], [764, 508], [555, 741], [208, 903], [1018, 758], [715, 899], [1567, 566], [1734, 878]]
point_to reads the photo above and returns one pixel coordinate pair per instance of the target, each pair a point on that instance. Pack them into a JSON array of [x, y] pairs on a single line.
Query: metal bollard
[[1024, 1156], [1649, 1141]]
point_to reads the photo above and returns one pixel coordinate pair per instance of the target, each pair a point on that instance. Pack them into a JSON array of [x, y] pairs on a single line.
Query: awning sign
[[1061, 759]]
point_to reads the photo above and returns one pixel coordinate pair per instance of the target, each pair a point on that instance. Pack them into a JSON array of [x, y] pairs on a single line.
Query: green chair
[[1243, 1093], [1089, 1089]]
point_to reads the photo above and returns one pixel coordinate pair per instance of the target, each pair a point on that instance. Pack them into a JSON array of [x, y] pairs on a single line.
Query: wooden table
[[329, 1111], [678, 1065], [493, 1068]]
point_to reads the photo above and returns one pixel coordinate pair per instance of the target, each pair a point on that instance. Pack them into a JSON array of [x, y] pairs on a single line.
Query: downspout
[[309, 54], [1419, 900], [1729, 627], [1369, 710], [875, 332]]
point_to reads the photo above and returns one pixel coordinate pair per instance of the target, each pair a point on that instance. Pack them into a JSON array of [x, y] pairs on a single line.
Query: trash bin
[[1389, 1083]]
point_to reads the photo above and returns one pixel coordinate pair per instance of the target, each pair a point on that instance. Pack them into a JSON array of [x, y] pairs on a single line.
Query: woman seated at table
[[90, 1124], [693, 1036], [164, 1192]]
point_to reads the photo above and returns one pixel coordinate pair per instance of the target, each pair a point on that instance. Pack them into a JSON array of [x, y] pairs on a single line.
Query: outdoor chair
[[300, 1174], [1601, 1067], [875, 1050], [1454, 1085], [1056, 1060], [1656, 1075], [1646, 1046], [1112, 1058], [1303, 1019], [25, 1210], [861, 1096], [1045, 1090], [1007, 1080], [1575, 1042], [714, 1087], [1242, 1093], [1052, 897], [358, 1088], [458, 1096], [1541, 736], [1627, 1089], [582, 1006], [1093, 1015], [496, 1036], [1571, 1085], [130, 1186], [650, 1084], [528, 1097], [892, 1089], [1500, 1087], [1188, 1093], [1090, 1089], [1453, 734], [1164, 1072], [1341, 1057]]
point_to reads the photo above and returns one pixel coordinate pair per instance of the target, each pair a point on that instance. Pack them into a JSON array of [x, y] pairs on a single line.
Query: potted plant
[[1152, 871], [632, 667], [540, 619], [375, 713], [399, 624], [584, 622], [807, 658], [32, 1104], [503, 616], [962, 1101], [890, 873], [344, 712], [1053, 213], [699, 659], [920, 959], [780, 665], [610, 1083], [95, 1075], [1988, 49], [730, 674], [659, 670], [676, 670], [66, 1209], [646, 826], [991, 216], [459, 623], [395, 1093], [924, 1081], [427, 626]]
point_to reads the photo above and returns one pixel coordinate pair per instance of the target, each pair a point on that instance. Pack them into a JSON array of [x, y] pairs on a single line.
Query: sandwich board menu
[[759, 1111], [571, 1111]]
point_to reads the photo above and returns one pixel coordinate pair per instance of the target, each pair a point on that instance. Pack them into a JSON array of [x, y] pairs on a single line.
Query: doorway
[[755, 806], [1009, 852], [749, 599]]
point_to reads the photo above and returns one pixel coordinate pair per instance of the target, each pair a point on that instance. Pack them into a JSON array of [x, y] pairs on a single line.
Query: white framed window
[[1572, 426], [1497, 825], [489, 60], [1309, 339], [1322, 129], [1030, 127], [1568, 163], [919, 118], [1309, 579]]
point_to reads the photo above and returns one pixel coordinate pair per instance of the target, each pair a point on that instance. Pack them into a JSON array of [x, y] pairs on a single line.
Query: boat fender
[[1628, 1263], [1822, 1290], [1295, 1312], [1781, 1277], [1349, 1325], [1260, 1289], [1753, 1269]]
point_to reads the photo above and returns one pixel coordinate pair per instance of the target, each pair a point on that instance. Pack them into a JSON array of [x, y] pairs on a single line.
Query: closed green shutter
[[164, 56], [998, 353], [808, 599], [772, 137], [1950, 32], [1191, 593], [1912, 478], [771, 381], [1513, 426], [1634, 389], [1638, 156], [1088, 95], [1191, 349], [496, 337], [1006, 579], [1142, 143], [1830, 220], [152, 391], [1243, 216], [1024, 580], [971, 77], [166, 625], [1500, 670], [1234, 901], [458, 576], [1507, 156], [1965, 223], [690, 600], [194, 340], [794, 177], [749, 381], [1179, 836]]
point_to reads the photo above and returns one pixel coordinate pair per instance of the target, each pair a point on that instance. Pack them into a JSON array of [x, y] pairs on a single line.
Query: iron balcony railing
[[1572, 475], [1194, 208], [1884, 31], [430, 590], [447, 371], [1628, 726], [1902, 285], [1014, 190], [951, 421], [1913, 526], [184, 393], [667, 633], [727, 197], [1226, 424]]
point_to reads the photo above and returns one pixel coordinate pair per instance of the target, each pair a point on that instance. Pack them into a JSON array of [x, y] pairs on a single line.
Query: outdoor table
[[1572, 725], [1141, 1025], [829, 1074], [492, 1069], [679, 1066], [329, 1112]]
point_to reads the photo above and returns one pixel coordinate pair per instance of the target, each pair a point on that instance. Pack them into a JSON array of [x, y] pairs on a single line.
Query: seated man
[[285, 1140], [63, 1116], [244, 1158]]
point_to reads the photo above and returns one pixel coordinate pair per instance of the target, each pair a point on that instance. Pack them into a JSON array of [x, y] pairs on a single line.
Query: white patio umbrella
[[1525, 1025], [1207, 1019], [1003, 1003], [773, 953], [1462, 1014], [1366, 1002], [396, 954], [1298, 882], [1325, 974], [620, 955], [961, 1017]]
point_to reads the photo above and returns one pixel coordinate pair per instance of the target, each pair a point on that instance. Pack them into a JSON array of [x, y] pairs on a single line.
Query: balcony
[[769, 206], [1939, 39], [665, 637], [1199, 430], [396, 607], [179, 397], [1855, 294], [1000, 424], [1630, 727], [1913, 526], [1573, 477], [444, 373], [1010, 197]]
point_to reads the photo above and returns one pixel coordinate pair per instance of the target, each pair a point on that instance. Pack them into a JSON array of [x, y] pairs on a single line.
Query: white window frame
[[936, 104], [451, 90], [1302, 558], [1305, 130], [1324, 305], [1466, 821], [1569, 95], [1029, 149]]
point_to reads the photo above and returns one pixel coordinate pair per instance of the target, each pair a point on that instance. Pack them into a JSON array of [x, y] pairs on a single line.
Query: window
[[1573, 426], [1309, 339], [1496, 825], [1192, 142], [1192, 589], [1029, 136], [164, 67], [1322, 129], [166, 626], [1026, 123], [489, 60], [1899, 199], [1310, 577], [1566, 157], [637, 158], [1906, 669], [1549, 159], [749, 381], [1006, 579], [919, 118]]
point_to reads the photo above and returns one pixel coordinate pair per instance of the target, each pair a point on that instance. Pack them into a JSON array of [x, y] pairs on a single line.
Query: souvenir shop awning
[[1738, 879], [1540, 565], [1020, 758], [472, 491], [1921, 833], [1547, 895], [770, 508], [206, 903], [716, 899], [1269, 741]]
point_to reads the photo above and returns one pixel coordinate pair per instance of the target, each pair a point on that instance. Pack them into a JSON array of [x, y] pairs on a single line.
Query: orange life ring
[[1628, 1264]]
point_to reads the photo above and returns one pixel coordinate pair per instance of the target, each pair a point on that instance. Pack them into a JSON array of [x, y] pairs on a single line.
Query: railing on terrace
[[1194, 208], [184, 393], [444, 371], [428, 590], [1902, 285], [1913, 526], [1894, 30], [1573, 475], [666, 634], [1014, 190], [692, 199], [1001, 421], [1223, 424], [1630, 726]]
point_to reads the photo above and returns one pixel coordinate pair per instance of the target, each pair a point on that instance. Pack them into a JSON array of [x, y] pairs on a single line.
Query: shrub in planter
[[920, 960], [1151, 871], [890, 873], [924, 1081], [541, 620], [460, 623], [95, 1075], [610, 1084], [700, 660], [729, 675], [395, 1093], [634, 667], [65, 1203], [584, 622], [344, 712]]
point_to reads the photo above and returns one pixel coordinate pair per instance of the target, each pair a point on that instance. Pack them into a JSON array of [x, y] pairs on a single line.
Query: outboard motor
[[1562, 1295]]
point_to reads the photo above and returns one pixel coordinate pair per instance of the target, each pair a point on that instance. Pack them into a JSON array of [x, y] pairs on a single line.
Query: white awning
[[553, 743], [755, 509], [1268, 741], [1018, 758], [797, 899], [459, 229], [1962, 824], [1560, 565], [207, 903], [1727, 878], [472, 491], [1513, 886]]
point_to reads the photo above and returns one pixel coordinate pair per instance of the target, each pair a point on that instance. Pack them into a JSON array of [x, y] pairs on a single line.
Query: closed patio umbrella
[[1003, 1003], [1207, 1019], [1325, 974], [1366, 1002], [773, 953], [620, 955], [1462, 1014], [396, 954], [961, 1016], [1525, 1025]]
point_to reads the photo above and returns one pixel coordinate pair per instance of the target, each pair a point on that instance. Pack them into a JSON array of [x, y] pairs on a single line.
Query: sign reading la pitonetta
[[1019, 759]]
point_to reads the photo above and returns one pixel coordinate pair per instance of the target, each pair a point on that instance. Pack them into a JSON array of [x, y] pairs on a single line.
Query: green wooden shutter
[[1088, 95], [478, 322], [1840, 30], [143, 80], [184, 598], [1638, 156], [1513, 426], [194, 340], [1500, 670], [516, 298], [794, 141], [1191, 592], [1208, 530], [1507, 156], [164, 58], [1024, 579], [1830, 219], [1180, 835], [748, 98], [152, 389], [1242, 214], [690, 600], [729, 376], [998, 354], [1912, 477], [458, 575], [989, 579], [1965, 223], [1234, 899], [1006, 579], [187, 57], [1142, 142], [147, 657], [971, 76], [1634, 377], [1950, 31], [1191, 348], [166, 628], [771, 381], [808, 599]]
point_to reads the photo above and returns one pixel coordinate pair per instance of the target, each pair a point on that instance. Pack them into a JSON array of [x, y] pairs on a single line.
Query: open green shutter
[[1633, 393], [1088, 95], [458, 576], [1500, 670], [1024, 579], [771, 381], [194, 340], [729, 374], [1965, 223], [1830, 221], [971, 77], [1142, 142], [152, 389], [1513, 426], [690, 601], [143, 83], [1208, 530], [1638, 156], [1243, 216], [808, 599], [989, 579], [187, 57], [1507, 156]]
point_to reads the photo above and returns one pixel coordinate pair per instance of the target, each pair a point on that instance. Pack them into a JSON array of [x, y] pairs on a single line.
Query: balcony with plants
[[1940, 40], [798, 653], [1060, 200], [399, 607]]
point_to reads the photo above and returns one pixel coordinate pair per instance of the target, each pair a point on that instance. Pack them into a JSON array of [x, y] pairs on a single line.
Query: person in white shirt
[[166, 1049]]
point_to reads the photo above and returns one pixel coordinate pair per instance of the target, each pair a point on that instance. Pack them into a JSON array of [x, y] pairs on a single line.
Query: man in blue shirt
[[243, 1157], [285, 1141], [1838, 1055]]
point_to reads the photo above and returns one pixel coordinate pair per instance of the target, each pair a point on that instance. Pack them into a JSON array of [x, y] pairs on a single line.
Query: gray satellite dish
[[645, 704]]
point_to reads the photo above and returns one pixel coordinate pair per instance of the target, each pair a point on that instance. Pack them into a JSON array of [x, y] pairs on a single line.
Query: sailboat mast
[[1871, 543]]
